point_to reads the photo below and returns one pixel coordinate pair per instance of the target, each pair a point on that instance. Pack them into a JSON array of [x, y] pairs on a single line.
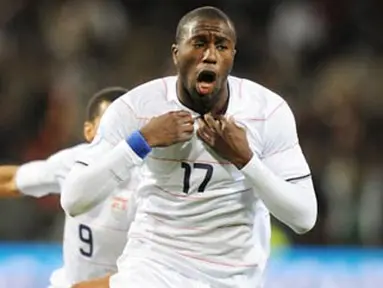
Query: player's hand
[[226, 138], [167, 129]]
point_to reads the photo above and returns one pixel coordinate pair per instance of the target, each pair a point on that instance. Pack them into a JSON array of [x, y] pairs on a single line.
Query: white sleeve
[[105, 163], [282, 152], [37, 179], [282, 177], [42, 177]]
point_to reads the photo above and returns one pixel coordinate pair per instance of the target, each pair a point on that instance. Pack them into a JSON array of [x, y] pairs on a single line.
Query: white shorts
[[146, 273], [58, 279]]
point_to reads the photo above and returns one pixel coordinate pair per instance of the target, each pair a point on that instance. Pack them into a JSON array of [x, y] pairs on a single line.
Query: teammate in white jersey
[[217, 154], [87, 239]]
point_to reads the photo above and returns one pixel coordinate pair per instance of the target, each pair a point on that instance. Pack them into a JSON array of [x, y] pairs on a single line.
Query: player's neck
[[218, 108], [222, 104]]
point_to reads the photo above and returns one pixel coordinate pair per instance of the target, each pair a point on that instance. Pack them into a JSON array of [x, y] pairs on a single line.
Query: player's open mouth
[[206, 82]]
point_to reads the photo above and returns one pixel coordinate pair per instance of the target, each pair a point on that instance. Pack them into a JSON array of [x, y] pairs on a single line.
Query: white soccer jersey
[[196, 211], [93, 241]]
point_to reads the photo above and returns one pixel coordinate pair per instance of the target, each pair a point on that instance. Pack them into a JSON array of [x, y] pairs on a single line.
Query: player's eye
[[198, 45], [221, 47]]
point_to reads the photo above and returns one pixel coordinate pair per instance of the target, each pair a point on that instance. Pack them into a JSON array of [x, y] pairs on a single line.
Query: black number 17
[[188, 170]]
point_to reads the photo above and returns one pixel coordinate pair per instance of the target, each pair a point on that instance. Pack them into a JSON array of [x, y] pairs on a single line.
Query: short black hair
[[108, 94], [206, 12]]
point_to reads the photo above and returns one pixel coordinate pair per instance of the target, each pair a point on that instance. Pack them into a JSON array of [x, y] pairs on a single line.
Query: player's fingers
[[219, 123], [205, 137], [184, 124], [188, 128], [228, 123], [203, 131], [211, 122], [202, 126], [185, 119], [183, 113], [223, 124], [185, 136]]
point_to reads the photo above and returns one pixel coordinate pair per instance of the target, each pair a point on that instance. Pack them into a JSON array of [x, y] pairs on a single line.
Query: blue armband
[[138, 144]]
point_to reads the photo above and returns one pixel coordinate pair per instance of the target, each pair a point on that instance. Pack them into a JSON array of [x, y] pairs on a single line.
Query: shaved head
[[202, 13]]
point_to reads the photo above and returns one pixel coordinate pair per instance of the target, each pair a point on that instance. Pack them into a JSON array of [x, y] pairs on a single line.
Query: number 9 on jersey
[[86, 237]]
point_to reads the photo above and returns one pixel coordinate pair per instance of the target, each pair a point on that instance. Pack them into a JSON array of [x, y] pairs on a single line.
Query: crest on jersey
[[119, 203]]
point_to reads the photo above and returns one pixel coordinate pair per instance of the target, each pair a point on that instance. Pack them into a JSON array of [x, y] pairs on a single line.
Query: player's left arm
[[280, 176]]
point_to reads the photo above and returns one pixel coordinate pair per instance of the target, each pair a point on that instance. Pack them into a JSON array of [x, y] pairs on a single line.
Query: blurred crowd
[[322, 56]]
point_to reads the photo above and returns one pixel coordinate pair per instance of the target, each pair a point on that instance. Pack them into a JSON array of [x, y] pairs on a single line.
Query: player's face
[[91, 127], [204, 59]]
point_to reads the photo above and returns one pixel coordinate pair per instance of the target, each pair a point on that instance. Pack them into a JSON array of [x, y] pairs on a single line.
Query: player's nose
[[210, 55]]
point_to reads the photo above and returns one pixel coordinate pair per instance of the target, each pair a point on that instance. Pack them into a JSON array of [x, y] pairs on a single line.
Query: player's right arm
[[122, 142]]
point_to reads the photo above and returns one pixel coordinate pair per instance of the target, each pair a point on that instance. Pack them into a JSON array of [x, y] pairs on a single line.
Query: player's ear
[[175, 54], [88, 131]]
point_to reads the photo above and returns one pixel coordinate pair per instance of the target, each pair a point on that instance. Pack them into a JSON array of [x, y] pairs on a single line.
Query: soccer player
[[218, 153], [93, 241]]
